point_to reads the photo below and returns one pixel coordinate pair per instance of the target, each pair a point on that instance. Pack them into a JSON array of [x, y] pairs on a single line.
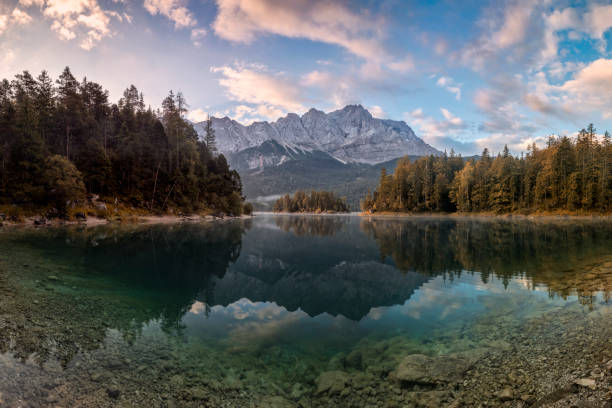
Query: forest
[[316, 202], [63, 141], [569, 175]]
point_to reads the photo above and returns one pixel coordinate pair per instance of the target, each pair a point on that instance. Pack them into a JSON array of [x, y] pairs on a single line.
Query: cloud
[[175, 10], [196, 35], [591, 88], [377, 111], [4, 20], [317, 20], [255, 84], [434, 131], [450, 85], [84, 19], [511, 35], [17, 16], [197, 115], [404, 65], [20, 17]]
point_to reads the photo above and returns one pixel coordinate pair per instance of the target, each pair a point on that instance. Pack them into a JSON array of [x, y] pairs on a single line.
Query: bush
[[247, 209]]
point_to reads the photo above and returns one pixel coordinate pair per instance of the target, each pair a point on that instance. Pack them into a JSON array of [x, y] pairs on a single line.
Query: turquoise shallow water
[[241, 312]]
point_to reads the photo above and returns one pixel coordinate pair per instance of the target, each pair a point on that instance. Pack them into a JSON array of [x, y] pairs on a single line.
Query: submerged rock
[[113, 392], [275, 402], [425, 370], [506, 394], [332, 382], [586, 382]]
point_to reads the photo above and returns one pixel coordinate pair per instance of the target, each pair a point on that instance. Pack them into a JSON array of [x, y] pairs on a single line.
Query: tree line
[[316, 202], [569, 174], [63, 140]]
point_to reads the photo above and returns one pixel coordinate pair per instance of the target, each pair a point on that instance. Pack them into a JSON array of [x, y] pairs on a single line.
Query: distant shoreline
[[140, 219], [483, 215]]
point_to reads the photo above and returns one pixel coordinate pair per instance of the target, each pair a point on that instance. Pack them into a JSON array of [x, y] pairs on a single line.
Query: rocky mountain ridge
[[350, 135]]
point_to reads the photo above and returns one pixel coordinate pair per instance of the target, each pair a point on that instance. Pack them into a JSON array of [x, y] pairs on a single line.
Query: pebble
[[586, 382], [506, 394], [113, 392]]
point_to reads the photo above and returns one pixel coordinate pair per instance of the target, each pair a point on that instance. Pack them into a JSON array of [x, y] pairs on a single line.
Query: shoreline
[[90, 221], [534, 216], [483, 216]]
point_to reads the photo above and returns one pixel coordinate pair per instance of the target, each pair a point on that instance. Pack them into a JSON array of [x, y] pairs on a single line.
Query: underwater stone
[[586, 382], [113, 392], [506, 394], [332, 382], [421, 369], [275, 402]]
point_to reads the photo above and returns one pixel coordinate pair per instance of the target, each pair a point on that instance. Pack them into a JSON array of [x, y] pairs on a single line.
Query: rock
[[528, 398], [97, 376], [198, 393], [331, 382], [297, 391], [422, 369], [53, 278], [113, 391], [354, 360], [506, 394], [275, 402], [609, 366], [177, 381], [609, 395], [2, 217], [80, 216], [101, 206], [40, 221], [586, 382]]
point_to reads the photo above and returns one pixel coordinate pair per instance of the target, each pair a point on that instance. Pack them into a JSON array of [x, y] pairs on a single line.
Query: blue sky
[[464, 75]]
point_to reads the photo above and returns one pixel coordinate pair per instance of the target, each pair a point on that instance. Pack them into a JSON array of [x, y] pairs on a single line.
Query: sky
[[464, 75]]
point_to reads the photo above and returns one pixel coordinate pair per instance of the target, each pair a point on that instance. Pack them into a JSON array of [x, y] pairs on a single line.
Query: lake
[[290, 311]]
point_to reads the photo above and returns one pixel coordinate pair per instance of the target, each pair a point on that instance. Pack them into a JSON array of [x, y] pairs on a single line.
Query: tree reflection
[[569, 258], [79, 282], [311, 225]]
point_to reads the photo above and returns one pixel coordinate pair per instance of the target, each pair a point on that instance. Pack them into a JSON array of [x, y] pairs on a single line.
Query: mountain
[[350, 134], [341, 151]]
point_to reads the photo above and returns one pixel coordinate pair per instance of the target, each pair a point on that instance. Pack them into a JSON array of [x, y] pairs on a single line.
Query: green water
[[295, 310]]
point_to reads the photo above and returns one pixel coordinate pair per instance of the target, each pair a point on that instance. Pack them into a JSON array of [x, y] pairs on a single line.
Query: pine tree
[[209, 138]]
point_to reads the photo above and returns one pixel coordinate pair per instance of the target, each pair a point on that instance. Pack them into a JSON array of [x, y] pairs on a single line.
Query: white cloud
[[74, 18], [196, 35], [4, 19], [591, 88], [515, 24], [17, 16], [20, 17], [450, 85], [175, 10], [404, 65], [436, 131], [317, 20], [255, 84], [377, 111], [197, 115], [358, 32]]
